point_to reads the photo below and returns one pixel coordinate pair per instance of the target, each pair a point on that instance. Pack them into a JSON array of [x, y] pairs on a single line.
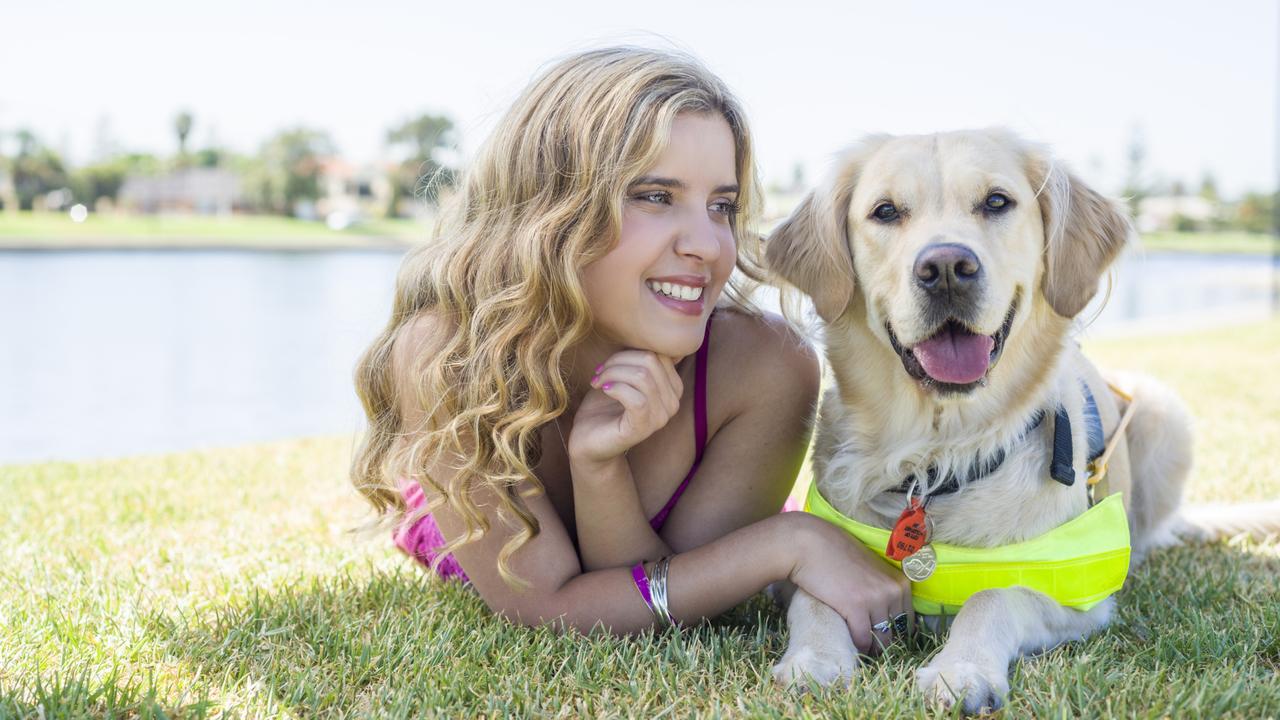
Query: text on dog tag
[[910, 532]]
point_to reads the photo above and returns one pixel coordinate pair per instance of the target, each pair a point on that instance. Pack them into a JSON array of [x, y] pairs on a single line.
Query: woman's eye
[[726, 207], [885, 212], [658, 198], [997, 202]]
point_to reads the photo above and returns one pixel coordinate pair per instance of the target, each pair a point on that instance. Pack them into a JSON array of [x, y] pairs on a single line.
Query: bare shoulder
[[416, 343], [420, 337], [761, 359]]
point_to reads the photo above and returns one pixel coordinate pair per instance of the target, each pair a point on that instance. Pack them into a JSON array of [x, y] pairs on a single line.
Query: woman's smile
[[684, 293]]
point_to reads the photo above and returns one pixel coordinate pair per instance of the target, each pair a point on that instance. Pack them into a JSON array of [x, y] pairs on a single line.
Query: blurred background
[[202, 207]]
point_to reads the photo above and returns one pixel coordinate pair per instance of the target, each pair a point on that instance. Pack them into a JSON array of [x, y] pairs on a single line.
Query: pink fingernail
[[607, 386], [599, 368]]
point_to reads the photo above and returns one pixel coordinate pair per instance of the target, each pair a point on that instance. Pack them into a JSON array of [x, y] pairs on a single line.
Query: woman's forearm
[[701, 583], [611, 525]]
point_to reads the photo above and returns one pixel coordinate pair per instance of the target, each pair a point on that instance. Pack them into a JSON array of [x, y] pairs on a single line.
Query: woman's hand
[[852, 580], [633, 394]]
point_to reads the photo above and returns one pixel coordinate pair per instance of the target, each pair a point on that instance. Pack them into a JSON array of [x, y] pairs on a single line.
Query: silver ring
[[883, 626], [900, 624]]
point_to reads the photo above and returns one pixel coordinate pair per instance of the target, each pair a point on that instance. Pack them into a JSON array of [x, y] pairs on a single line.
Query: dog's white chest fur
[[1015, 502]]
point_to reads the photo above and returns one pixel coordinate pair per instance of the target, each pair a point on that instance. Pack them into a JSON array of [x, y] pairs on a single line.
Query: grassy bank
[[56, 230], [1210, 242], [227, 584]]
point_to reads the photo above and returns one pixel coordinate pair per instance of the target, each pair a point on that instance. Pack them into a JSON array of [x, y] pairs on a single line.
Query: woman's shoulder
[[761, 356], [423, 335], [416, 342]]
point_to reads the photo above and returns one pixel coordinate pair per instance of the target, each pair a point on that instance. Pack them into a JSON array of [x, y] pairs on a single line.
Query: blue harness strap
[[1060, 467], [1063, 446]]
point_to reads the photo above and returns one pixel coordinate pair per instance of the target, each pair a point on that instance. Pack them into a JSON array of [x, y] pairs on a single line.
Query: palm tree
[[182, 124]]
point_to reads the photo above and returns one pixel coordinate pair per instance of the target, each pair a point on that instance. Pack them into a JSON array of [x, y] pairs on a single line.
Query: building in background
[[205, 191], [1176, 212], [353, 191]]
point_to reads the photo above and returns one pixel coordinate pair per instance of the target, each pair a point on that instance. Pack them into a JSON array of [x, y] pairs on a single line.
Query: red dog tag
[[909, 534]]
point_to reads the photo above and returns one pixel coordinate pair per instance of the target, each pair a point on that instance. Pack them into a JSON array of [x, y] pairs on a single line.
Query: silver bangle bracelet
[[658, 589]]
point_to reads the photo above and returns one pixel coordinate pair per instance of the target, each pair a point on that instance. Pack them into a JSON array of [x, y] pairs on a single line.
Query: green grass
[[54, 230], [1210, 242], [227, 584]]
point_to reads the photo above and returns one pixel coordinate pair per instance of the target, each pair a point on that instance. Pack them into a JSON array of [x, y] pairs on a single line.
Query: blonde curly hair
[[542, 199]]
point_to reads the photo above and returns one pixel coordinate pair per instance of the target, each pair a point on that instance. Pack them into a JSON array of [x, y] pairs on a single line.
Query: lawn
[[1234, 242], [228, 583], [56, 230]]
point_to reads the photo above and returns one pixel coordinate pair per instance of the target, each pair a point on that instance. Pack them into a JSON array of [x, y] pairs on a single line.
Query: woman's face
[[656, 287]]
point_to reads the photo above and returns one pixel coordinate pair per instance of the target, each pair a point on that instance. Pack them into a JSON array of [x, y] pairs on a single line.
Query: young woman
[[601, 429]]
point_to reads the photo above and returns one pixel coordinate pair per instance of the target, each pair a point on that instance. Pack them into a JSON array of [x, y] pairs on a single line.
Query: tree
[[1135, 185], [211, 157], [287, 170], [420, 173], [182, 126], [36, 170], [103, 179], [1254, 213], [100, 180], [1209, 188]]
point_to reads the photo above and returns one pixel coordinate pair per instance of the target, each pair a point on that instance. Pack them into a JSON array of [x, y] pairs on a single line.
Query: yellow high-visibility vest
[[1079, 563]]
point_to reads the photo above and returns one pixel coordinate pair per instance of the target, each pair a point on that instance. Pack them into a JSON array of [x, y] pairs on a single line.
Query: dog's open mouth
[[954, 358]]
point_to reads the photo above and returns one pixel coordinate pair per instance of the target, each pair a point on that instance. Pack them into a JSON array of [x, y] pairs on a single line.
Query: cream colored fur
[[878, 425]]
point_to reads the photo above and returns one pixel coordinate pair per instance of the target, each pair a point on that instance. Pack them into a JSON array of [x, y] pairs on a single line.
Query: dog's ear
[[1084, 233], [810, 249]]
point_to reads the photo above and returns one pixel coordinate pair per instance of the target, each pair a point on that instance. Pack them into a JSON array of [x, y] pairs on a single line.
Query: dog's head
[[948, 241]]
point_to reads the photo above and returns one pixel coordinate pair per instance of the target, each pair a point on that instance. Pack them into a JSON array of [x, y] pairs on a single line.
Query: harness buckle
[[1097, 472]]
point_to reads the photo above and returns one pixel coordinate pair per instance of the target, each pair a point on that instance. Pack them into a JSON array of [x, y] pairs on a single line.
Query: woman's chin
[[675, 344]]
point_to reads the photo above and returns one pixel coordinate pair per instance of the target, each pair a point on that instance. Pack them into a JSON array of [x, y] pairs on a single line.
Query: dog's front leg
[[992, 629], [820, 651]]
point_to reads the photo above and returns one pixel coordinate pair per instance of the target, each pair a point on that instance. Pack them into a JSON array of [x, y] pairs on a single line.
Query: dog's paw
[[808, 668], [980, 689]]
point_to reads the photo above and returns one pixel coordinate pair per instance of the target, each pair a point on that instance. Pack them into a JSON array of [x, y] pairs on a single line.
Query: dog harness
[[1079, 563], [1060, 467]]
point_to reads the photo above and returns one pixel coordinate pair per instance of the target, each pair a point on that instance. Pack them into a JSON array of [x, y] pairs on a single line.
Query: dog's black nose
[[947, 267]]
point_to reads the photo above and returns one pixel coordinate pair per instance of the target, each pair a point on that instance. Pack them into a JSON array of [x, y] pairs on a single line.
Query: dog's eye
[[885, 212], [997, 202]]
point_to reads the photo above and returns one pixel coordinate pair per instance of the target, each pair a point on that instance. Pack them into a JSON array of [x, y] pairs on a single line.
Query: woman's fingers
[[882, 626], [660, 368], [649, 381], [635, 402], [860, 630], [641, 385], [904, 607], [895, 601]]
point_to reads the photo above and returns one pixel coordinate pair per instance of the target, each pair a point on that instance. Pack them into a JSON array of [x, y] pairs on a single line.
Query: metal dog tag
[[920, 565]]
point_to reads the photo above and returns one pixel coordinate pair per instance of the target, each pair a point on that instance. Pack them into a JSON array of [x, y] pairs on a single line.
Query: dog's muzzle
[[954, 358]]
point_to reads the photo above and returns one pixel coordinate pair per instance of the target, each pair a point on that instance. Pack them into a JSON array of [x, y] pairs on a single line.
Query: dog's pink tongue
[[955, 356]]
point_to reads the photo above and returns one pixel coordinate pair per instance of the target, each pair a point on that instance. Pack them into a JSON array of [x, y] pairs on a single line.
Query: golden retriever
[[947, 270]]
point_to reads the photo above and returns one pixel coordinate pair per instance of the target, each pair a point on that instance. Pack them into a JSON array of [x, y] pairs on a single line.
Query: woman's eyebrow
[[659, 181], [675, 184]]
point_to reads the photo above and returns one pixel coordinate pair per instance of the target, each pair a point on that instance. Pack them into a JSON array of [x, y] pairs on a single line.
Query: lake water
[[115, 353]]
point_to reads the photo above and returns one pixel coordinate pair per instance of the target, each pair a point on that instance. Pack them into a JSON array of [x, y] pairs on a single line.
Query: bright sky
[[1198, 78]]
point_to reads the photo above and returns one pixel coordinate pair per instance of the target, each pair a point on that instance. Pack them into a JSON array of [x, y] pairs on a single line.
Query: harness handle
[[1098, 468]]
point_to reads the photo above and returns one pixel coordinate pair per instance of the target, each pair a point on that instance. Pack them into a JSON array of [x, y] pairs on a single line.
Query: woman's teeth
[[679, 292]]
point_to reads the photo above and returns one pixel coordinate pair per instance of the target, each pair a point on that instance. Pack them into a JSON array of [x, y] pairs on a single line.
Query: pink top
[[422, 539]]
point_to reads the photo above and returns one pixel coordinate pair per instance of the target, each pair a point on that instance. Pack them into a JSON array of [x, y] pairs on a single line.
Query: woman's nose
[[700, 237]]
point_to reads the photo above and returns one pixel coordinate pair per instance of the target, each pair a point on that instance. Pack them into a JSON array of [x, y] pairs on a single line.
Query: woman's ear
[[1084, 232], [811, 250]]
